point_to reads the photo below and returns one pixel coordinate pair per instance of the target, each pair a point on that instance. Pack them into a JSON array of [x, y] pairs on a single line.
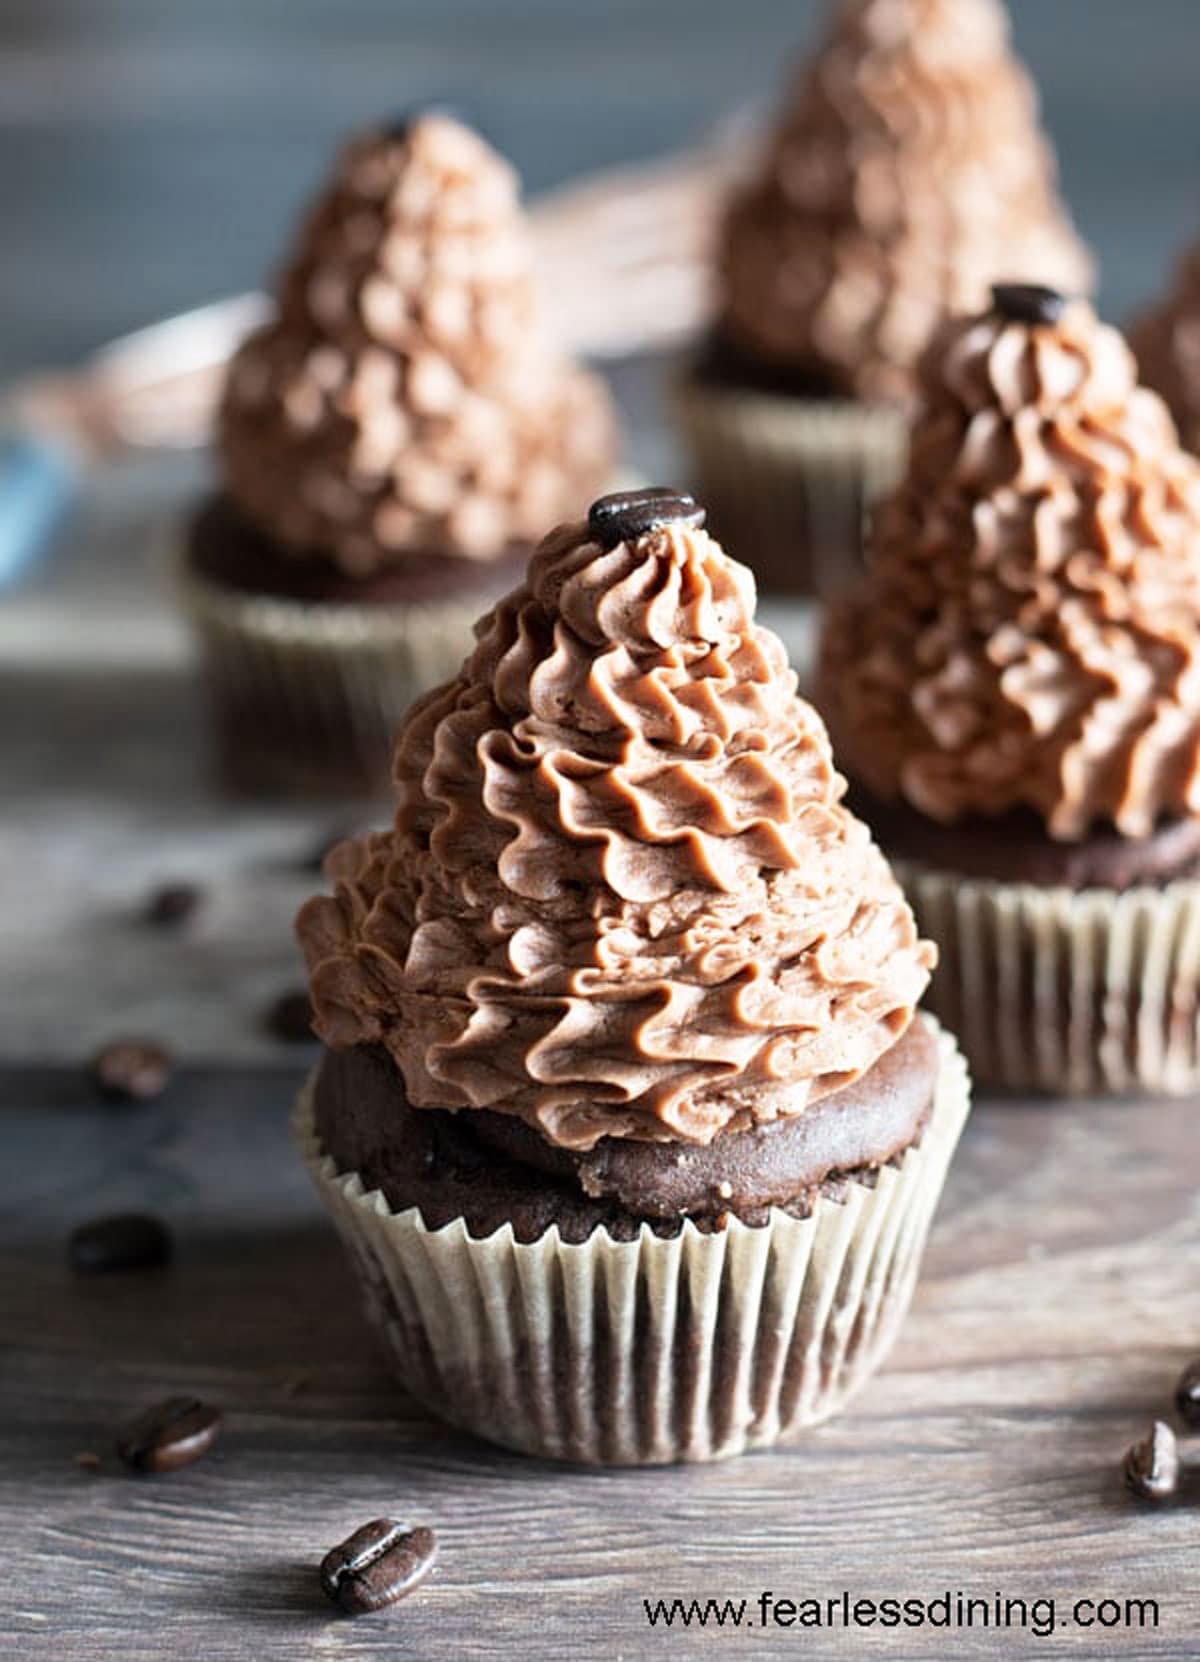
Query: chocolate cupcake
[[391, 446], [906, 174], [624, 1113], [1015, 694], [1166, 343]]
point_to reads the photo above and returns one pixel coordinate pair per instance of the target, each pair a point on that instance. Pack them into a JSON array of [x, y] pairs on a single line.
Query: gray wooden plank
[[1058, 1305]]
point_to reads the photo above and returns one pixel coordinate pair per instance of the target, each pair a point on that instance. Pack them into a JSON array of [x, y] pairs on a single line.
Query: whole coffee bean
[[125, 1241], [169, 1435], [628, 514], [379, 1564], [1187, 1394], [172, 905], [290, 1018], [1151, 1467], [131, 1070], [1028, 302]]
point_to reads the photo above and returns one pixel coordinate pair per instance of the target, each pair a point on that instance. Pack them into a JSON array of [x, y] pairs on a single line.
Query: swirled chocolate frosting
[[1028, 633], [621, 896], [1166, 343], [405, 398], [906, 174]]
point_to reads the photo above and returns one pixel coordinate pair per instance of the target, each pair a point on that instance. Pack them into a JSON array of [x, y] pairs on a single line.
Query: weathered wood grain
[[1058, 1305]]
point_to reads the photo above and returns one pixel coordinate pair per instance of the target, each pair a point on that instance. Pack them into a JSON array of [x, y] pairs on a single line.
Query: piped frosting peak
[[1028, 634], [405, 398], [906, 174], [1166, 341], [622, 896]]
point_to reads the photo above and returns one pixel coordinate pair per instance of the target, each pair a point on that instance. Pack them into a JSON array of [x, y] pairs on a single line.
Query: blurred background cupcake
[[1015, 693], [1166, 342], [906, 172], [625, 1113], [389, 445]]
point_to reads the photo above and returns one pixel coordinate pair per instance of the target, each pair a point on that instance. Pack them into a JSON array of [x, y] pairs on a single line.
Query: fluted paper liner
[[1067, 991], [642, 1352], [306, 690], [788, 482]]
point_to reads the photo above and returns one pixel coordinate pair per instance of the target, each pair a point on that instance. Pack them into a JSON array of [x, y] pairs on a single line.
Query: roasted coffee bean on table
[[378, 1565], [290, 1017], [172, 904], [124, 1241], [1151, 1467], [131, 1070], [171, 1434], [1187, 1394]]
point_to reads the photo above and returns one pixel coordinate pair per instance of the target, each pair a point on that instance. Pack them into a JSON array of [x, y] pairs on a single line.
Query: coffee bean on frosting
[[376, 1566], [1028, 302], [628, 514], [401, 124]]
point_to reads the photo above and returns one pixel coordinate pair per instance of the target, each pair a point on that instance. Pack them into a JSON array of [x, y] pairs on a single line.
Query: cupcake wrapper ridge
[[1063, 991], [788, 482], [309, 693], [693, 1347]]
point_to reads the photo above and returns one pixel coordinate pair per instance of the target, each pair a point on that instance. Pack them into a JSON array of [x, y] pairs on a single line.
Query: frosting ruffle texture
[[1027, 634], [405, 398], [907, 174], [622, 896], [1166, 343]]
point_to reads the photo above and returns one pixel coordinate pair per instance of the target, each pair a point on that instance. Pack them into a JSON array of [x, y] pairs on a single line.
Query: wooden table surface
[[158, 150], [1058, 1305]]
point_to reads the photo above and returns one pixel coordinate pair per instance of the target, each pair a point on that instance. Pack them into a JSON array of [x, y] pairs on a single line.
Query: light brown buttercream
[[405, 398], [1027, 633], [622, 896], [1166, 343], [906, 175]]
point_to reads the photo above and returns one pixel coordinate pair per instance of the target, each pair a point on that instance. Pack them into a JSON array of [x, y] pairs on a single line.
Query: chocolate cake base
[[489, 1169], [724, 365], [1016, 848], [225, 548]]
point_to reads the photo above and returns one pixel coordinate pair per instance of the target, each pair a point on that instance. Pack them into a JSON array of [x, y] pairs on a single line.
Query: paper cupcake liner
[[1065, 991], [309, 694], [788, 482], [654, 1350]]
